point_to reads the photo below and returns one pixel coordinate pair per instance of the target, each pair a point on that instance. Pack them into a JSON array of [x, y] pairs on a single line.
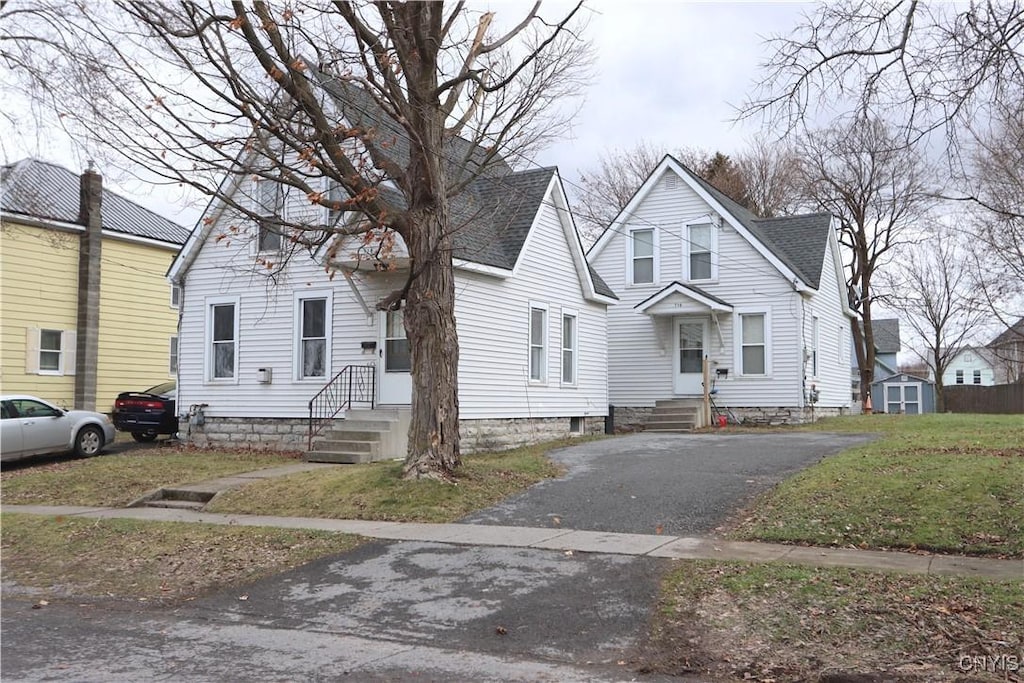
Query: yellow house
[[86, 311]]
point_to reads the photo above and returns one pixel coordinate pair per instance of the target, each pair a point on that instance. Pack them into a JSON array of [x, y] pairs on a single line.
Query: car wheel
[[144, 437], [88, 442]]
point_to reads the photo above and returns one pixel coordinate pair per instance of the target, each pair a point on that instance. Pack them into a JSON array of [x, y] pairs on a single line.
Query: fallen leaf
[[243, 597], [501, 630]]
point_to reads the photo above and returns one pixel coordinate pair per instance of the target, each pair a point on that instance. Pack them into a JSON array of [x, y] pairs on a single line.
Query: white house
[[700, 277], [258, 344], [971, 365]]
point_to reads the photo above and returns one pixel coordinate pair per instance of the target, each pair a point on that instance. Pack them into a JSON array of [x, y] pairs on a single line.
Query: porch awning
[[680, 299]]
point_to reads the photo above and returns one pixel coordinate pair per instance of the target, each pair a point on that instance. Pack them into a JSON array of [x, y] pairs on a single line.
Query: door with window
[[395, 366], [691, 345], [904, 397]]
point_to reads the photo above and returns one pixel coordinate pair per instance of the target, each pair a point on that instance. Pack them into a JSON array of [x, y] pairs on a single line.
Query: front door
[[690, 349], [395, 361], [903, 398]]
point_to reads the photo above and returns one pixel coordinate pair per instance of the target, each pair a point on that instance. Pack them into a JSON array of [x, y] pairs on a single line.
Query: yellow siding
[[38, 288], [136, 320]]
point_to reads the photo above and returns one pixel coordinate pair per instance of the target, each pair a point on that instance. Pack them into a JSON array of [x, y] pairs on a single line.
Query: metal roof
[[44, 191]]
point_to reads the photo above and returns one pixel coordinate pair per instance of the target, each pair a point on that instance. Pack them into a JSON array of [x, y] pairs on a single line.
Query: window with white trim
[[977, 376], [312, 343], [172, 364], [175, 296], [335, 197], [701, 263], [753, 344], [538, 343], [222, 339], [270, 200], [49, 351], [642, 256], [815, 340], [959, 376], [569, 344]]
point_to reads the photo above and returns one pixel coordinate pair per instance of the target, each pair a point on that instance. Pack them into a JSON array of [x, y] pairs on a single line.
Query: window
[[222, 328], [397, 356], [175, 296], [270, 197], [977, 376], [173, 364], [814, 346], [753, 350], [312, 338], [700, 247], [50, 351], [642, 256], [335, 194], [568, 347], [538, 344], [959, 376]]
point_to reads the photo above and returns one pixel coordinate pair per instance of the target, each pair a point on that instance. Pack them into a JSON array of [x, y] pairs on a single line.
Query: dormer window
[[642, 259]]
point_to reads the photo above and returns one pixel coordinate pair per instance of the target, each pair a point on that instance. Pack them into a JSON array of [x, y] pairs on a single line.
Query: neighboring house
[[531, 319], [971, 365], [903, 393], [887, 348], [1008, 353], [700, 277], [87, 309]]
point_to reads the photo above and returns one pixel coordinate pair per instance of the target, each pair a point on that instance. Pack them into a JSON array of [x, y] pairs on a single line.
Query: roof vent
[[671, 181]]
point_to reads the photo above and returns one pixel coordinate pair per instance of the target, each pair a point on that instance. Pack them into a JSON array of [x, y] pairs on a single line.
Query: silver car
[[31, 426]]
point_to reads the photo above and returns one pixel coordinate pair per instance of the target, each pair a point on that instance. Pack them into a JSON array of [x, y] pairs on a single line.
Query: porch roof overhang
[[680, 299]]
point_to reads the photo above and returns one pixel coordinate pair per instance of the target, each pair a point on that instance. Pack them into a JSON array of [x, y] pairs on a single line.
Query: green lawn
[[944, 483], [64, 556], [376, 491], [116, 480], [739, 621]]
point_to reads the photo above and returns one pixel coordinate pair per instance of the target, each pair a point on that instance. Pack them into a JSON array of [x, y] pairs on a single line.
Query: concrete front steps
[[184, 498], [675, 415], [363, 436]]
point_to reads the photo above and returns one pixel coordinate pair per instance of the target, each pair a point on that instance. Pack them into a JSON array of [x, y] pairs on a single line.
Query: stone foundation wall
[[630, 418], [289, 434], [258, 433], [503, 434]]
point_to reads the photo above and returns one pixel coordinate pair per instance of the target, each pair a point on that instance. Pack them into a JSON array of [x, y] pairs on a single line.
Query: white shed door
[[690, 348], [395, 365], [903, 398]]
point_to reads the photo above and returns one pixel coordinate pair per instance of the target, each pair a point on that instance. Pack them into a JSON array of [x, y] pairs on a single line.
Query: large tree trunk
[[434, 343]]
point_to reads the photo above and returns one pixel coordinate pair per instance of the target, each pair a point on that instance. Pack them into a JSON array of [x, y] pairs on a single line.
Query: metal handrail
[[353, 384]]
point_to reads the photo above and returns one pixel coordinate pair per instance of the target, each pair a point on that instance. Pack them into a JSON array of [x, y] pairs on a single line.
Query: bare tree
[[932, 290], [877, 187], [761, 178], [198, 91]]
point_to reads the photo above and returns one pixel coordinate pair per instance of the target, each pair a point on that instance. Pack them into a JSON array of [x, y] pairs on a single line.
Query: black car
[[147, 413]]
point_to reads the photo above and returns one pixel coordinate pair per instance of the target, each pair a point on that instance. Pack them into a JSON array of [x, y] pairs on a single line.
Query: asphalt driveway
[[677, 484]]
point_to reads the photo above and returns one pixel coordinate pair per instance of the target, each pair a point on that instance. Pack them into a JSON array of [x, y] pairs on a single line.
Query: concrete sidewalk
[[690, 548]]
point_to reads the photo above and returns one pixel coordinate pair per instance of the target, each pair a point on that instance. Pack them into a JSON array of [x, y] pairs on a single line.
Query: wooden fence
[[1001, 398]]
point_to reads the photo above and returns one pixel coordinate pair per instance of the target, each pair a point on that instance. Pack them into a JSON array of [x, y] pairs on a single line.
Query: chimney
[[89, 252]]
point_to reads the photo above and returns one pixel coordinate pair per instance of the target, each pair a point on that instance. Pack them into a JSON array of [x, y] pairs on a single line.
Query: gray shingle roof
[[1014, 333], [887, 334], [45, 191], [797, 241]]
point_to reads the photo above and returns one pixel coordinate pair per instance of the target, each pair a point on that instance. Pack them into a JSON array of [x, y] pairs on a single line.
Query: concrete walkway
[[566, 540]]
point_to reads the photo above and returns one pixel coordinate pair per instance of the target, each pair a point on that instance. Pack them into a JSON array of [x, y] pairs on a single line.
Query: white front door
[[691, 343], [393, 371], [903, 398]]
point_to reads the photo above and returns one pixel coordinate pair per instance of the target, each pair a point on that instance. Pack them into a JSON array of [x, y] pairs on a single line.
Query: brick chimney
[[89, 252]]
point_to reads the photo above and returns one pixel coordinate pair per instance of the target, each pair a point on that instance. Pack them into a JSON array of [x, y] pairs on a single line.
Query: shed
[[903, 393]]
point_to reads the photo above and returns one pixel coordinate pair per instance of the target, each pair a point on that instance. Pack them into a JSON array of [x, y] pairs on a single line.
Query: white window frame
[[332, 191], [738, 316], [174, 355], [297, 366], [66, 352], [655, 265], [976, 377], [175, 297], [959, 376], [542, 374], [573, 350], [713, 249], [276, 212], [815, 345], [208, 355]]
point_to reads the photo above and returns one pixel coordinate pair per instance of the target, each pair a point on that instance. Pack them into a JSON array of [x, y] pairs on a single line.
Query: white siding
[[833, 379], [492, 317], [640, 347], [968, 361]]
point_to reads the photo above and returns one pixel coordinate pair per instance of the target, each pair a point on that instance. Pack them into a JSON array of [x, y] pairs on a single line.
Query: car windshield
[[162, 389]]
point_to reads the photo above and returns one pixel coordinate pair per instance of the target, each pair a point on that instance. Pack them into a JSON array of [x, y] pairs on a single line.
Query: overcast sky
[[666, 72]]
